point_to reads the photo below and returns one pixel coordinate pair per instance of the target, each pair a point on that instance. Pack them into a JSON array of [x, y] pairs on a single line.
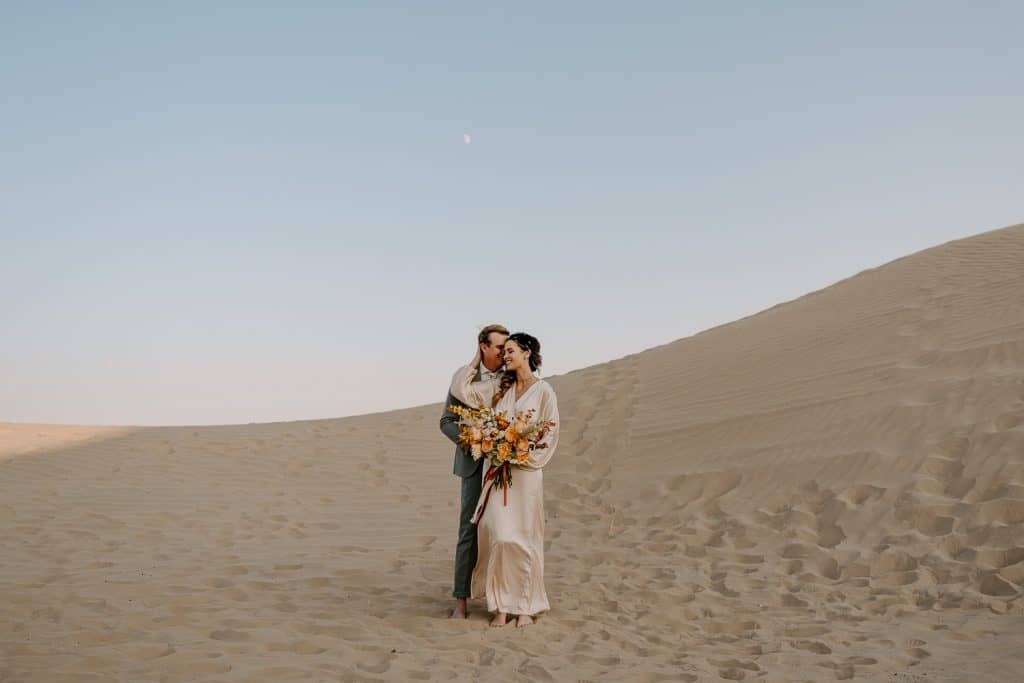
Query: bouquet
[[503, 440]]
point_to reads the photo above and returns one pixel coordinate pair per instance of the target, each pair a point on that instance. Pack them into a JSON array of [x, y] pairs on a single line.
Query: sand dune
[[830, 489]]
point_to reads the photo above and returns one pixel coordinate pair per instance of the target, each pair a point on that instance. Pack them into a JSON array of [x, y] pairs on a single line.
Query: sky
[[233, 212]]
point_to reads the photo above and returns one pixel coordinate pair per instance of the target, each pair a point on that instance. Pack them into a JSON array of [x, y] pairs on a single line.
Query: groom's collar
[[483, 370]]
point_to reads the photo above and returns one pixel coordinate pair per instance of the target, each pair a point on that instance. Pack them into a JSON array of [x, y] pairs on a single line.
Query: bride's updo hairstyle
[[527, 342]]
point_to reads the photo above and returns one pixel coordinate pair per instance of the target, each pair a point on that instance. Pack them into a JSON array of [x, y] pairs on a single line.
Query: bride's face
[[516, 356]]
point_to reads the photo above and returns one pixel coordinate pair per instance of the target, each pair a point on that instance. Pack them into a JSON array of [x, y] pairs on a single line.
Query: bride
[[509, 570]]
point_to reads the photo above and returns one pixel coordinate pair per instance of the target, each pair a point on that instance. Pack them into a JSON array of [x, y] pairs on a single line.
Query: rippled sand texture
[[830, 489]]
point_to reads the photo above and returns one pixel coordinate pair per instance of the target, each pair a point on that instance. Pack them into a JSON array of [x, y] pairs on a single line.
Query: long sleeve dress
[[509, 569]]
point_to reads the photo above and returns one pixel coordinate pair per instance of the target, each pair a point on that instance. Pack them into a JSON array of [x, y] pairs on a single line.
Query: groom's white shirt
[[486, 374]]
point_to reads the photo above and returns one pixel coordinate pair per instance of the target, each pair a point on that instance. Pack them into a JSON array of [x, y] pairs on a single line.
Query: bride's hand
[[477, 358]]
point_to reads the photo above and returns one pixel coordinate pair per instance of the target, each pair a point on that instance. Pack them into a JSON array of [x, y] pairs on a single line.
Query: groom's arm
[[450, 421]]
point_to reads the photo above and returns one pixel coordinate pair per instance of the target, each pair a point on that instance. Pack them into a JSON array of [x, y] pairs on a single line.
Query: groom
[[492, 346]]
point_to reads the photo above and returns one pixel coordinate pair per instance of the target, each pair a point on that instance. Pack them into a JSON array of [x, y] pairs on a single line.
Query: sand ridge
[[831, 489]]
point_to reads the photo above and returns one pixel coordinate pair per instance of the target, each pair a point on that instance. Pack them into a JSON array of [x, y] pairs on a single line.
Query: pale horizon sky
[[253, 212]]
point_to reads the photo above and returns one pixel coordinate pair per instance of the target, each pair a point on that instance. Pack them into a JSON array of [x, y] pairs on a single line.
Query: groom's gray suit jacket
[[464, 466]]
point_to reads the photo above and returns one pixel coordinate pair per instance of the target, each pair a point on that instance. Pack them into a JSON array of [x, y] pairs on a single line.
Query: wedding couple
[[501, 556]]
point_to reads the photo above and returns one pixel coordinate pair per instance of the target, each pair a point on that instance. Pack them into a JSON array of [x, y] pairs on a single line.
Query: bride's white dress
[[510, 538]]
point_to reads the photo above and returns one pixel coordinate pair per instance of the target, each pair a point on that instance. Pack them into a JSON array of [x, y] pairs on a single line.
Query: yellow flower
[[510, 435], [487, 445], [504, 450], [522, 447]]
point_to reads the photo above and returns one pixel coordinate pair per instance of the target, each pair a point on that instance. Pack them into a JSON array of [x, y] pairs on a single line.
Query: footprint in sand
[[287, 567], [1009, 421], [375, 663], [299, 647], [843, 672], [996, 586], [815, 646], [230, 635], [319, 582], [734, 669]]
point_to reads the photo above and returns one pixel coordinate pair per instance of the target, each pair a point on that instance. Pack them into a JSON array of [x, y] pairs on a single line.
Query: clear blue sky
[[234, 212]]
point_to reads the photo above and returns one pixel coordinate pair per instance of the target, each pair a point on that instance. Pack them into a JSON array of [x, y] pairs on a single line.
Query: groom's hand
[[450, 423]]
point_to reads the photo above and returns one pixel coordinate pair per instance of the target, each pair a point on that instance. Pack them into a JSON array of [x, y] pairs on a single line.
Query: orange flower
[[487, 445], [504, 450]]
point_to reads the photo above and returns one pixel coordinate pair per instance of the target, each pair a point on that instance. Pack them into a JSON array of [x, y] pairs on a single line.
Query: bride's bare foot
[[460, 611], [500, 619], [524, 620]]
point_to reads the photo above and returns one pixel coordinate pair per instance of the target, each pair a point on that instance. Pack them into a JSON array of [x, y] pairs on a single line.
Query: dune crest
[[830, 489]]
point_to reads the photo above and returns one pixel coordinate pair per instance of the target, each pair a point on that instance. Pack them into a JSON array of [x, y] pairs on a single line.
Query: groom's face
[[493, 351]]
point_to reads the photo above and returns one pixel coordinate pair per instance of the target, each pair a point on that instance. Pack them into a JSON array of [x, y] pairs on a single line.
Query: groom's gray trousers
[[471, 472]]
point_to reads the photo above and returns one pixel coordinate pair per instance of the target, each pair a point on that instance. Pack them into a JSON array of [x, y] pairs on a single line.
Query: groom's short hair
[[485, 334]]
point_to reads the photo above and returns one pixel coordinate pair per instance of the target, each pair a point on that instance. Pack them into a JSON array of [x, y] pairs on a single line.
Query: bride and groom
[[501, 556]]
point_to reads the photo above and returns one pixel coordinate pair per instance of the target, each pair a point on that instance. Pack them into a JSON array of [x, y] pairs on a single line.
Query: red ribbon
[[492, 475]]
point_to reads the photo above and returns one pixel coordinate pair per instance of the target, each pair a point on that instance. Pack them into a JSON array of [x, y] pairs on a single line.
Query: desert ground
[[831, 489]]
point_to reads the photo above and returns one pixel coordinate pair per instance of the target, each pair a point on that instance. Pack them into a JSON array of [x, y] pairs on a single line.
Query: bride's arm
[[475, 394], [545, 448]]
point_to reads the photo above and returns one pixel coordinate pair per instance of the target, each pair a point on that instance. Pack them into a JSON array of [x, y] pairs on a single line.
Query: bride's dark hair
[[526, 342]]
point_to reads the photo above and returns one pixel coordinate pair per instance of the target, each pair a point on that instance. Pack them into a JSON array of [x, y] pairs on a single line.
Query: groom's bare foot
[[524, 620], [500, 619], [460, 611]]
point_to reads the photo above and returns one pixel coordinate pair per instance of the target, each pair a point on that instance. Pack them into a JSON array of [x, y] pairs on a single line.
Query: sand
[[830, 489]]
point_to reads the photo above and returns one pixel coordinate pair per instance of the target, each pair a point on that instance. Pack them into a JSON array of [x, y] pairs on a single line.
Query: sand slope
[[830, 489]]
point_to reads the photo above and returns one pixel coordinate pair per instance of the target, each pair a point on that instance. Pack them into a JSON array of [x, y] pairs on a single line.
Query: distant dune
[[830, 489]]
